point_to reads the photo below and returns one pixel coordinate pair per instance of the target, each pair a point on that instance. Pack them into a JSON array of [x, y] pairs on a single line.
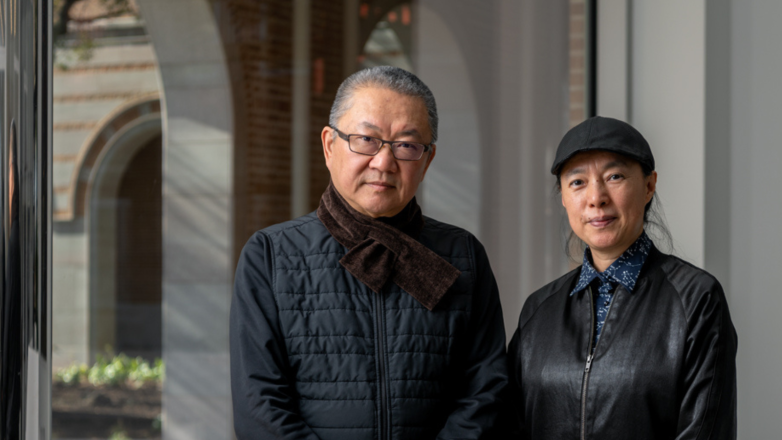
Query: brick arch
[[104, 160], [97, 145]]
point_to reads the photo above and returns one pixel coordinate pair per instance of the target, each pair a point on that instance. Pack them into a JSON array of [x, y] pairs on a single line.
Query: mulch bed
[[85, 411]]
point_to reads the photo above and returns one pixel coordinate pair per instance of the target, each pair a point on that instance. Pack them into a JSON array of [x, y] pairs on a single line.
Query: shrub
[[119, 370]]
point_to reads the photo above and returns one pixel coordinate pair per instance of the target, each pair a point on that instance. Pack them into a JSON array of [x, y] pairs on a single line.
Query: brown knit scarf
[[385, 249]]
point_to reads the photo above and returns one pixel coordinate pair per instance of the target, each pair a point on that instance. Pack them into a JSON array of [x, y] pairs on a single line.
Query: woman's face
[[604, 195]]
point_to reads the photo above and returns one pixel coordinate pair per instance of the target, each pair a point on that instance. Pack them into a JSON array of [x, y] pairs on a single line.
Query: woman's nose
[[597, 195]]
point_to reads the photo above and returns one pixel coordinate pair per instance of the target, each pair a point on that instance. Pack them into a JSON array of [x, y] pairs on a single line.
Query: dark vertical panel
[[10, 347], [25, 138], [591, 67], [43, 88], [12, 326]]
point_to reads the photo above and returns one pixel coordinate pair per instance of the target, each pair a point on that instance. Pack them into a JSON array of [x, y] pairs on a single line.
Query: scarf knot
[[387, 249]]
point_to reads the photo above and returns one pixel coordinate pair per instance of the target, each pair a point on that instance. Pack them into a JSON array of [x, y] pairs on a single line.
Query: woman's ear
[[651, 185]]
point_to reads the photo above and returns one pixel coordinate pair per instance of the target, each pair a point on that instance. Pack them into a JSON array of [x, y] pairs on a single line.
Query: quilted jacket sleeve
[[708, 406], [480, 413], [262, 391]]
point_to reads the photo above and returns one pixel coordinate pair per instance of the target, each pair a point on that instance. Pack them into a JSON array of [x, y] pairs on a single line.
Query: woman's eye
[[615, 177], [576, 182]]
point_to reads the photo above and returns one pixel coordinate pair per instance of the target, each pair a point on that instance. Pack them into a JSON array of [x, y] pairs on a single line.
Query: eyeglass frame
[[346, 137]]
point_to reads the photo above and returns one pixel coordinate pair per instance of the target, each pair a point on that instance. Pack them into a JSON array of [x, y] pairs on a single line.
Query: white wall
[[70, 322], [705, 91], [452, 187], [667, 107], [499, 72], [756, 211], [197, 218]]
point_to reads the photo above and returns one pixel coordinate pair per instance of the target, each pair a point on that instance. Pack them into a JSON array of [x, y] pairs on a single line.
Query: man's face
[[380, 185]]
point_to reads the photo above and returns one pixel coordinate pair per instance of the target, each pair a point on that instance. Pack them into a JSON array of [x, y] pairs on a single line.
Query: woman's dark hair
[[654, 225]]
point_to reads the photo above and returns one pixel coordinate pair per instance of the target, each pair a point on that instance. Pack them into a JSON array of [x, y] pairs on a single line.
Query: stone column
[[197, 217], [667, 90], [499, 72]]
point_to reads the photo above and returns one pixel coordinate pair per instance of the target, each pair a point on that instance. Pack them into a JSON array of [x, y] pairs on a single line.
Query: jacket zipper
[[590, 358], [381, 360], [588, 365]]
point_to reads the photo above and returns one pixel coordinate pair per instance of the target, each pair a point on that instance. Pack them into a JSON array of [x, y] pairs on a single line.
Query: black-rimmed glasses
[[370, 146]]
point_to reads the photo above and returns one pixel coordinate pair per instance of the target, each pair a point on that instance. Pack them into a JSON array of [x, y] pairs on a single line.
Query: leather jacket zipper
[[590, 358], [381, 360], [588, 365]]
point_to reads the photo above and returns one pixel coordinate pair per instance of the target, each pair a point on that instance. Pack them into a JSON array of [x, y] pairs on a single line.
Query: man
[[366, 320]]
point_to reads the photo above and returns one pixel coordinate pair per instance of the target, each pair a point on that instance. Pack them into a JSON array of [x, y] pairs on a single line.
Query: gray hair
[[392, 78]]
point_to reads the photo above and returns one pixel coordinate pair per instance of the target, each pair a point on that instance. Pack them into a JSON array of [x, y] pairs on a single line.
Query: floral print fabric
[[623, 271]]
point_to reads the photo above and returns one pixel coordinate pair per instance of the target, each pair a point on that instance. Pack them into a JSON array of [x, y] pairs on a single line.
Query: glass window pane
[[181, 127], [107, 229]]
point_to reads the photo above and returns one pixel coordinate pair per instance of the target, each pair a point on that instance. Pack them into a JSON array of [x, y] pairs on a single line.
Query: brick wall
[[327, 74], [258, 39]]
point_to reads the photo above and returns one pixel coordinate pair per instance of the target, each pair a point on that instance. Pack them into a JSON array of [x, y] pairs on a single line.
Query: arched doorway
[[122, 201], [139, 256]]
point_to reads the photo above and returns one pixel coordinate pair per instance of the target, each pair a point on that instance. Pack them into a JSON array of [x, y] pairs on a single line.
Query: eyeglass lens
[[401, 150]]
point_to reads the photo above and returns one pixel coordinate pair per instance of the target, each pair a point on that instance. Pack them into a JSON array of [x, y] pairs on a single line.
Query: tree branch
[[111, 14], [61, 26]]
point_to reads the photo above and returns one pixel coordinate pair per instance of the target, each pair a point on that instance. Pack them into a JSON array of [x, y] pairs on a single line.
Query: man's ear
[[327, 139], [429, 160]]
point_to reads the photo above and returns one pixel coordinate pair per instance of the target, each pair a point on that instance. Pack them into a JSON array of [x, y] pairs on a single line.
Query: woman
[[634, 343]]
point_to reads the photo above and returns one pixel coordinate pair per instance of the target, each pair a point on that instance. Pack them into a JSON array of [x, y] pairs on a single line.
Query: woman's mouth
[[601, 222]]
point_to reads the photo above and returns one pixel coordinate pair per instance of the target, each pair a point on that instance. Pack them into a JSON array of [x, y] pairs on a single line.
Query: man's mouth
[[380, 185]]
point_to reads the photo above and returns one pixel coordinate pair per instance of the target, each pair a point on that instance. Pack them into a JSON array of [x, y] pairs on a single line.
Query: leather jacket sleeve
[[708, 406], [262, 392], [514, 383], [479, 414]]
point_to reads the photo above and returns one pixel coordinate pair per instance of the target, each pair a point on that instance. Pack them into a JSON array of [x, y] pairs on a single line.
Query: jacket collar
[[624, 270]]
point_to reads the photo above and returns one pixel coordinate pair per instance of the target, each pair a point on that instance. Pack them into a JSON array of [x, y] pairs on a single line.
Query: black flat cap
[[607, 134]]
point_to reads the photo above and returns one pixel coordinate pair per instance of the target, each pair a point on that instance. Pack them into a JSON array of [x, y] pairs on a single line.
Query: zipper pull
[[589, 364]]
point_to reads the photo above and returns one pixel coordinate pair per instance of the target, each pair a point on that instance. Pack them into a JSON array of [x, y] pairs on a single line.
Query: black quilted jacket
[[315, 354]]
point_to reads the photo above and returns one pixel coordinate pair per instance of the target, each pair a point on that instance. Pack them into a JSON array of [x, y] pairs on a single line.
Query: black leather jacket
[[664, 366]]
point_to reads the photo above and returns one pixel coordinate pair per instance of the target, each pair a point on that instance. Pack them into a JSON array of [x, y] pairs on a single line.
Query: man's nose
[[384, 160]]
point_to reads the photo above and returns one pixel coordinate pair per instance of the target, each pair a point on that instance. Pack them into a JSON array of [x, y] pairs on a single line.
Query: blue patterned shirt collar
[[624, 270]]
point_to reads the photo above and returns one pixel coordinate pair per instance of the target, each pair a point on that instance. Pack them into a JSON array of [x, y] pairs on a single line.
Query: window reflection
[[390, 42], [107, 224], [149, 221]]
